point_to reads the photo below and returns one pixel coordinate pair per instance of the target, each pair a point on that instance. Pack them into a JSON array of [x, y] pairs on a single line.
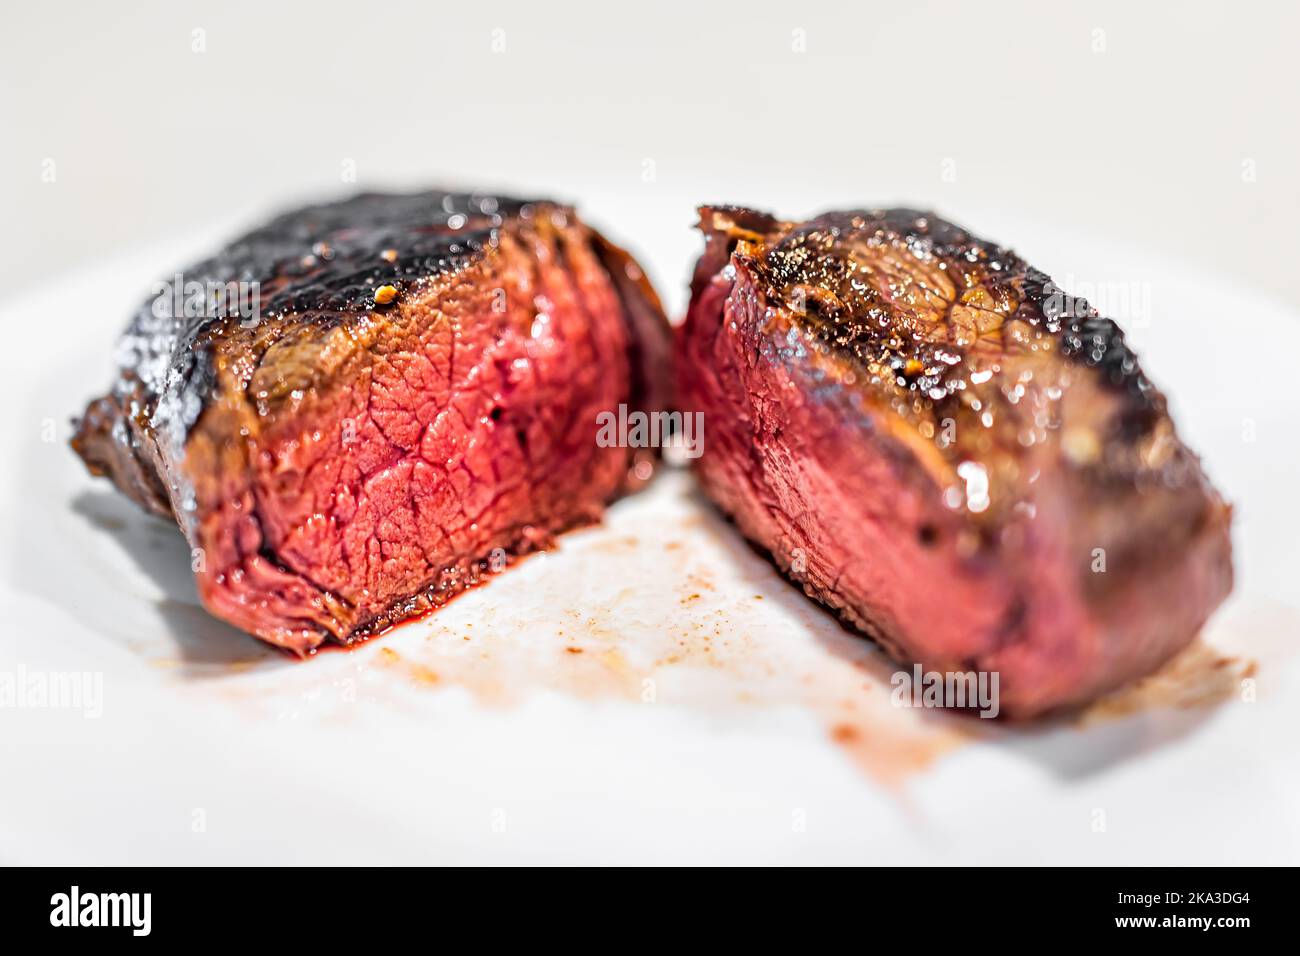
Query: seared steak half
[[939, 445], [417, 402]]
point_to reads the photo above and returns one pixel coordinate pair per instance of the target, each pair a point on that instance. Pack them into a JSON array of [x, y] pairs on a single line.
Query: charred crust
[[318, 265], [1090, 339], [904, 312], [111, 446], [824, 269], [649, 338]]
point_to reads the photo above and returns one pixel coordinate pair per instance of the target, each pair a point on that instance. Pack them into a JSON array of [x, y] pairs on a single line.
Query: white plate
[[649, 692]]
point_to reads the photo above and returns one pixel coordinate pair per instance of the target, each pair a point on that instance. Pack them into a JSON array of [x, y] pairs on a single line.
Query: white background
[[1118, 119]]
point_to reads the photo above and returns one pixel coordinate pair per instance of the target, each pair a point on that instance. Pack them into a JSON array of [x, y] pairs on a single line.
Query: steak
[[412, 403], [938, 444]]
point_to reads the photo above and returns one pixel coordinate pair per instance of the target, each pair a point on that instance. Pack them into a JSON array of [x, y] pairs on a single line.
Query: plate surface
[[651, 691]]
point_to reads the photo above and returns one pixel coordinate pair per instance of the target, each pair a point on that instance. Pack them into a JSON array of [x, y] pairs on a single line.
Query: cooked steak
[[941, 446], [412, 401]]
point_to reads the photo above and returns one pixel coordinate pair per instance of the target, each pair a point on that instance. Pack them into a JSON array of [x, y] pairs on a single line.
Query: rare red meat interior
[[362, 408], [941, 446]]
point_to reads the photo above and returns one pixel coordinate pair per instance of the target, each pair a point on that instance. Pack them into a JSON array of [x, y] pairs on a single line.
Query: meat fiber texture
[[958, 458], [412, 402]]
